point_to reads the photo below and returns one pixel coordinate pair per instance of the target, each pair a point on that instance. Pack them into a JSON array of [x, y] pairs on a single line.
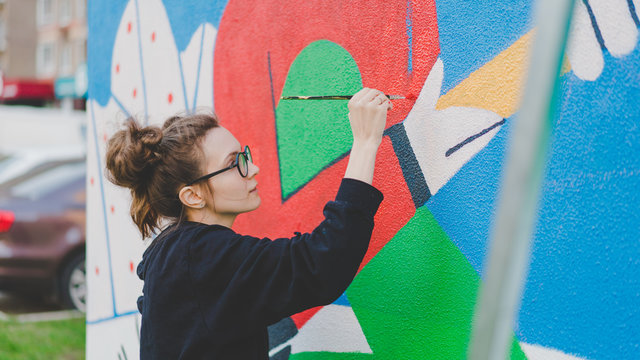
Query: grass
[[61, 339]]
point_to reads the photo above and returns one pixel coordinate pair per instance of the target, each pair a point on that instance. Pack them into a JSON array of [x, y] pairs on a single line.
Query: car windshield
[[48, 181], [6, 162]]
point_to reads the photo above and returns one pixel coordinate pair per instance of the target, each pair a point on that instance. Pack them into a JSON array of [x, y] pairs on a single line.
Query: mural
[[439, 163]]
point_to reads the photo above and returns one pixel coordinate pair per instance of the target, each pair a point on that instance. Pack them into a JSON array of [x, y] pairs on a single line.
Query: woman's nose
[[253, 169]]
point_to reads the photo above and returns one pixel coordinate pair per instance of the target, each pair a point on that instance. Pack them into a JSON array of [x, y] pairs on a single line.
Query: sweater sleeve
[[262, 281]]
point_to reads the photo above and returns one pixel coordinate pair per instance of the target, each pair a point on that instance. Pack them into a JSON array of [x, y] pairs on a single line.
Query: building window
[[81, 9], [45, 60], [45, 12], [64, 14], [66, 68]]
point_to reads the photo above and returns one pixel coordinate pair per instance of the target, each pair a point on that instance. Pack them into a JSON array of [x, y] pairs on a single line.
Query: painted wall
[[439, 164]]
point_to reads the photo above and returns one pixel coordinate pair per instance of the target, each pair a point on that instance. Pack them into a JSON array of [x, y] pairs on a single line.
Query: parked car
[[42, 232], [20, 161]]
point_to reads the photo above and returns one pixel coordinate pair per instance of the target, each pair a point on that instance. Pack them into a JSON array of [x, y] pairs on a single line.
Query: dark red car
[[42, 232]]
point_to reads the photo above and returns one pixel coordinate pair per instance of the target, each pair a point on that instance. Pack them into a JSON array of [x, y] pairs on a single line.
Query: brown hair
[[154, 163]]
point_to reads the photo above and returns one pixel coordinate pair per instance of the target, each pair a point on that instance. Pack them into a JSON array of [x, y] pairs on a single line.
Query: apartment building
[[61, 51], [18, 42]]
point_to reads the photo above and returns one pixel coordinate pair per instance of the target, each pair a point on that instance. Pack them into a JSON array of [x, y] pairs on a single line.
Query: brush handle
[[333, 97]]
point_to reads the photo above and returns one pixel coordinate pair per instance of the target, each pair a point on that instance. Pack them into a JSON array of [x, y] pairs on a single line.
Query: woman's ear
[[191, 198]]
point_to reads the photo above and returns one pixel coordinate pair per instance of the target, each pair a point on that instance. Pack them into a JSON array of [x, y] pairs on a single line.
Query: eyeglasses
[[242, 163]]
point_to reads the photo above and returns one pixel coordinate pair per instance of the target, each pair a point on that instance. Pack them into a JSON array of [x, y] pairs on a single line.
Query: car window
[[49, 181], [6, 162]]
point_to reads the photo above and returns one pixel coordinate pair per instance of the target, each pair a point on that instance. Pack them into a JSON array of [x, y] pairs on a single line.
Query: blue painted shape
[[409, 37], [464, 206], [582, 294], [102, 30], [342, 300], [186, 16], [474, 32]]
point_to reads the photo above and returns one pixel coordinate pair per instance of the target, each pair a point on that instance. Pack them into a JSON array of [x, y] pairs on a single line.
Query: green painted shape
[[323, 355], [312, 134], [415, 299]]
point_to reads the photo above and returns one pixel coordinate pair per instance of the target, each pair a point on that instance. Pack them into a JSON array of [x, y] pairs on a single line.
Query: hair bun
[[132, 154]]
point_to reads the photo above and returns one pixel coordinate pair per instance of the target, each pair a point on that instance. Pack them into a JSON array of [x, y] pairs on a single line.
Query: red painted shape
[[301, 318], [377, 40], [131, 265], [135, 92], [113, 209], [91, 180], [117, 68], [97, 271], [170, 98], [129, 27], [104, 137], [153, 36]]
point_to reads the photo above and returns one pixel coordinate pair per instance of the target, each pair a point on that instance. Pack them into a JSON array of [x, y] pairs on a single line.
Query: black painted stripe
[[473, 137], [596, 29], [409, 164], [632, 10]]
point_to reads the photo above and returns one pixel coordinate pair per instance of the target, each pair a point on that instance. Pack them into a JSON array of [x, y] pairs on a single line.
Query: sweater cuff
[[361, 195]]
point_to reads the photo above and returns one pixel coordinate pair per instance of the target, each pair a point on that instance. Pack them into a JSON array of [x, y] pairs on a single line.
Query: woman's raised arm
[[367, 116]]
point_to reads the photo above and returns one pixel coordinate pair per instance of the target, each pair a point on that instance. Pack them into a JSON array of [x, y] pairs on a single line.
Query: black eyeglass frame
[[247, 157]]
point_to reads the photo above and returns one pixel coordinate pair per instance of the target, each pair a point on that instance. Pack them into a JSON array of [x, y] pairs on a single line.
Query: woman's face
[[229, 193]]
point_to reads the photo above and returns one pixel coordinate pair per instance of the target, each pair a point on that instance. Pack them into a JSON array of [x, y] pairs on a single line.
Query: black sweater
[[210, 293]]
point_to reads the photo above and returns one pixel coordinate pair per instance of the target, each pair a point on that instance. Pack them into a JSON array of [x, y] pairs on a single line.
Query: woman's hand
[[368, 117]]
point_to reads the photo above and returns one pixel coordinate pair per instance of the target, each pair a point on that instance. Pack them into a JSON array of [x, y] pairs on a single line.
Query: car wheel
[[73, 284]]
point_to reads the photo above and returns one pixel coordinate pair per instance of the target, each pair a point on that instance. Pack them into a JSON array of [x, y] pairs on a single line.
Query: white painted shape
[[190, 66], [431, 132], [616, 25], [161, 66], [126, 75], [583, 49], [99, 298], [106, 340], [537, 352], [334, 328], [126, 248]]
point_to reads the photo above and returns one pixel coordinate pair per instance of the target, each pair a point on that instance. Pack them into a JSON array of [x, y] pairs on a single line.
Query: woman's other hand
[[368, 117]]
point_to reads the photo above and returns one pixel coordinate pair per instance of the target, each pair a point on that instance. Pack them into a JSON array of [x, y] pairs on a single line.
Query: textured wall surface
[[439, 164]]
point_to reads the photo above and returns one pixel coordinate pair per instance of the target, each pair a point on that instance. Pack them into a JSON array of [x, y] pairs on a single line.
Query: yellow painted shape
[[496, 86]]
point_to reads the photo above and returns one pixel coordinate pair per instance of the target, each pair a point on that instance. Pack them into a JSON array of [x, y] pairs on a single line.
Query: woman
[[210, 293]]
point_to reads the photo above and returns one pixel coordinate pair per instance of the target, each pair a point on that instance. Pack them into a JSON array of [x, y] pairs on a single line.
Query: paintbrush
[[339, 97]]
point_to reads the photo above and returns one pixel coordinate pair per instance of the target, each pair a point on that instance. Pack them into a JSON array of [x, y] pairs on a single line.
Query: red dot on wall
[[131, 266], [135, 92], [170, 98], [129, 27], [104, 137], [97, 271], [117, 68], [91, 180], [113, 209], [153, 36]]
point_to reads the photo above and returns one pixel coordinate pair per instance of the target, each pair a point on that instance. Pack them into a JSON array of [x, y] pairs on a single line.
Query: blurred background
[[43, 89]]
